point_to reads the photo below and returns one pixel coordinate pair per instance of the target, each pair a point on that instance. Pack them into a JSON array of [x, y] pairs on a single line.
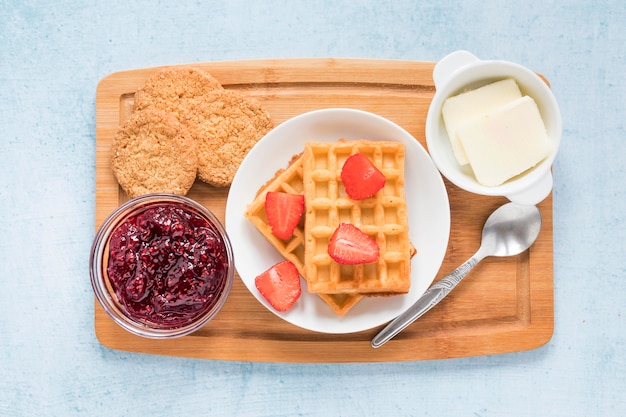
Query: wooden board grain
[[505, 305]]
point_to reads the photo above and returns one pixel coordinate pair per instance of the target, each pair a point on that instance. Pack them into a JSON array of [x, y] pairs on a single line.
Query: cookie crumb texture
[[171, 88], [225, 125], [152, 152]]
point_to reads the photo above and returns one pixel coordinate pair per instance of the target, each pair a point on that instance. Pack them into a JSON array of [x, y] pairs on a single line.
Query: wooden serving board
[[505, 305]]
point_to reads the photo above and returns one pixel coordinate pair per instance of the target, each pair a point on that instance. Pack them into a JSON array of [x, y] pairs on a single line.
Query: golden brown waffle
[[383, 217], [290, 180]]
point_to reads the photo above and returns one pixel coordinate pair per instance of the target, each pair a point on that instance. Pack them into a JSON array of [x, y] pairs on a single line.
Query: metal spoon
[[509, 230]]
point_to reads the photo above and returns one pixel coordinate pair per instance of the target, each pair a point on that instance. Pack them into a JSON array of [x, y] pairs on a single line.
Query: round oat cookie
[[171, 88], [226, 125], [153, 152]]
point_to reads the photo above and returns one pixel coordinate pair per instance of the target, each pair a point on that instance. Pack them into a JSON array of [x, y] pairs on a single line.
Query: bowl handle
[[536, 193], [449, 64]]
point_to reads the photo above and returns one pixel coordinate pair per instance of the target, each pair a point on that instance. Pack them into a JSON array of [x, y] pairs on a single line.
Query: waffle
[[383, 217], [290, 180]]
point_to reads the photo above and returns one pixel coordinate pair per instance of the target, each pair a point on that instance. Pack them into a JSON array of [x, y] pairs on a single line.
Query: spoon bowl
[[510, 230]]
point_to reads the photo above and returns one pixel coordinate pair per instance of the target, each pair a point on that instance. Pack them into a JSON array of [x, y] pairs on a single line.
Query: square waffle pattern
[[383, 217], [290, 180]]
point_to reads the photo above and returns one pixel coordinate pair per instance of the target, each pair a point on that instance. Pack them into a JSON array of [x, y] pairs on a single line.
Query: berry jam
[[167, 265]]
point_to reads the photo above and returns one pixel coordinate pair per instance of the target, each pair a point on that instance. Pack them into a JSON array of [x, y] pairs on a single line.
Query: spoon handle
[[431, 298]]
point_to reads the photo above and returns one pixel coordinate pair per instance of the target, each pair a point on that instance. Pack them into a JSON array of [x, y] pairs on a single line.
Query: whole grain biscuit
[[153, 152], [226, 125], [171, 88]]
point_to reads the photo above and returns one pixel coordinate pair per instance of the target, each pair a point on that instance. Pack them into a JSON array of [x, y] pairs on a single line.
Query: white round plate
[[427, 203]]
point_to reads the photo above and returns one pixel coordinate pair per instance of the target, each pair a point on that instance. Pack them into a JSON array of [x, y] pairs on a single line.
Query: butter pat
[[459, 110], [505, 142]]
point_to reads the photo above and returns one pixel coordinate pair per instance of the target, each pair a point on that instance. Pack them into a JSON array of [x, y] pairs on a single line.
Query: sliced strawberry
[[349, 245], [280, 285], [283, 212], [360, 177]]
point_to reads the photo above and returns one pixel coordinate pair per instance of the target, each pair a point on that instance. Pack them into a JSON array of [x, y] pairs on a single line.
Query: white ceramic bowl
[[460, 71]]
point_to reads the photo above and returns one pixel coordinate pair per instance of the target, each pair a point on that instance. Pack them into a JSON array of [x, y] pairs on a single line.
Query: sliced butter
[[463, 108], [505, 142]]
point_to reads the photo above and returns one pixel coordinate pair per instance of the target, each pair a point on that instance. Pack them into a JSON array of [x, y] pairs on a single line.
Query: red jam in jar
[[167, 265]]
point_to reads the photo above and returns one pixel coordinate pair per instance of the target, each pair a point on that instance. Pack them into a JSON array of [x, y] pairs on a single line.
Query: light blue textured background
[[52, 55]]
